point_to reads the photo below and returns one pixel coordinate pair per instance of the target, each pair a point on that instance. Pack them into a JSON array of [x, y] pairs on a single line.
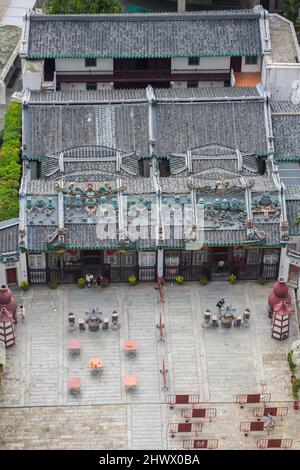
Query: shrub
[[290, 361], [10, 167], [179, 279], [53, 284], [104, 282], [232, 279], [203, 280], [261, 280], [132, 280], [25, 285], [80, 282]]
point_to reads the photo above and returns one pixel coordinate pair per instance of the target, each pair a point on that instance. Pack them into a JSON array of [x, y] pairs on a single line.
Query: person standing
[[88, 279], [21, 313]]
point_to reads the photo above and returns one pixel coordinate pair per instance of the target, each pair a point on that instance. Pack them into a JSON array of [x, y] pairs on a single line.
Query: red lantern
[[110, 252], [73, 252]]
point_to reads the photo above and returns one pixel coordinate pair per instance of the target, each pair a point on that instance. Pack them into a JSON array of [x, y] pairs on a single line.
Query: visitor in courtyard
[[89, 279], [99, 280], [220, 265], [21, 313]]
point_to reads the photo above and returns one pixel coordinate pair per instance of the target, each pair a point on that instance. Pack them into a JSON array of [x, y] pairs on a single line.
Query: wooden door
[[236, 64], [11, 276]]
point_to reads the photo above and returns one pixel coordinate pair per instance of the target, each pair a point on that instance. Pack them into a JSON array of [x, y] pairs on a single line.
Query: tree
[[291, 10], [82, 6]]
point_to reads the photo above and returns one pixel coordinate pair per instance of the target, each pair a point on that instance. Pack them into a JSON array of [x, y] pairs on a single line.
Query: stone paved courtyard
[[37, 412]]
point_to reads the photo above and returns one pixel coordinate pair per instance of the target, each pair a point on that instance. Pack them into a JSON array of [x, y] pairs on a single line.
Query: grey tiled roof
[[179, 126], [37, 236], [272, 231], [56, 128], [9, 236], [293, 211], [182, 126], [132, 95], [264, 183], [235, 32], [292, 192], [284, 43], [286, 129]]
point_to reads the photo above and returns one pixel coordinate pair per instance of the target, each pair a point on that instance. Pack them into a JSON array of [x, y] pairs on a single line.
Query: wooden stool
[[74, 385], [130, 382], [95, 365], [130, 348], [74, 346]]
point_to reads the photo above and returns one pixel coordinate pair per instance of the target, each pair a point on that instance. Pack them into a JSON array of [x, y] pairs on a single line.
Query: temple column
[[181, 5], [160, 262], [284, 264], [2, 273], [22, 268]]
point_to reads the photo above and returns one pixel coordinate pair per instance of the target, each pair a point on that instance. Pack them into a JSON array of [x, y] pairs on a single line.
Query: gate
[[264, 411], [173, 400], [253, 398], [175, 428], [189, 413], [246, 427], [201, 444], [274, 443]]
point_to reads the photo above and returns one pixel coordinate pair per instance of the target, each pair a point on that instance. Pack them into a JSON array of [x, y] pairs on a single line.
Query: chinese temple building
[[147, 182]]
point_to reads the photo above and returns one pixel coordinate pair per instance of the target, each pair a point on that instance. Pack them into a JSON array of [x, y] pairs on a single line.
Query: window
[[90, 63], [192, 84], [194, 61], [141, 64], [37, 261], [147, 259], [91, 86], [250, 60]]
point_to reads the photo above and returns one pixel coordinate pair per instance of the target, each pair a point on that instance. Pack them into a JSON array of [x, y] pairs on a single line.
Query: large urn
[[280, 293], [7, 300]]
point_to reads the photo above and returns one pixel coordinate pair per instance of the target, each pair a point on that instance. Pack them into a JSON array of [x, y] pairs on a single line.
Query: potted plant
[[53, 284], [132, 280], [232, 278], [203, 280], [179, 279], [290, 361], [104, 282], [24, 286], [261, 280], [80, 282]]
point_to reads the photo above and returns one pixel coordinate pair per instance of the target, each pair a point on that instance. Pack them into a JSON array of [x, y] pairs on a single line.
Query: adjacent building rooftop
[[206, 33], [284, 43], [9, 39]]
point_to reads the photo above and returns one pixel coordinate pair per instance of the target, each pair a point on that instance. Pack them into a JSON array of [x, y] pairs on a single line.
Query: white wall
[[214, 84], [201, 84], [22, 269], [283, 82], [206, 63], [32, 81], [2, 273], [251, 68], [64, 65], [82, 86], [72, 86]]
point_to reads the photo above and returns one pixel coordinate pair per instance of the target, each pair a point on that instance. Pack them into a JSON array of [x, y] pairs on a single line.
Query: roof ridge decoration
[[152, 16]]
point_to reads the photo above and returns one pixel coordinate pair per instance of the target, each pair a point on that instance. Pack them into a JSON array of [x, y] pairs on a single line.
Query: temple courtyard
[[38, 412]]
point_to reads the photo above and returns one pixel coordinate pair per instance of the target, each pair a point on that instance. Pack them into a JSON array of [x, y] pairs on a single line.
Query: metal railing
[[159, 75]]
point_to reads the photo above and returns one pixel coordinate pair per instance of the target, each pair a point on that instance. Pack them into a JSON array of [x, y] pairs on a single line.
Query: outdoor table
[[74, 385], [130, 348], [130, 382], [74, 346], [96, 366]]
